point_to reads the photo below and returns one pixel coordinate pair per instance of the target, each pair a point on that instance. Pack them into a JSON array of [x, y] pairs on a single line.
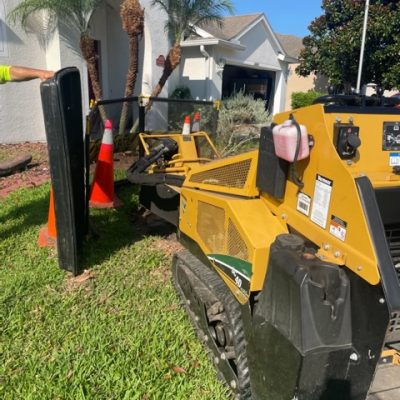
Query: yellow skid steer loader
[[291, 273]]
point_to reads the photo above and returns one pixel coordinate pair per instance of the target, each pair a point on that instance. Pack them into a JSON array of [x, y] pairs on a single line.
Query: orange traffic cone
[[48, 234], [186, 126], [102, 194], [196, 122]]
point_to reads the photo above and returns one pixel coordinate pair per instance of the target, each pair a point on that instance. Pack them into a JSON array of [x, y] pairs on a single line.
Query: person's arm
[[4, 73], [18, 74]]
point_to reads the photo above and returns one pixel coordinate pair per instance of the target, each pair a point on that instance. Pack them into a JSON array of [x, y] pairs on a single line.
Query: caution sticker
[[338, 228], [321, 201], [394, 159], [303, 203]]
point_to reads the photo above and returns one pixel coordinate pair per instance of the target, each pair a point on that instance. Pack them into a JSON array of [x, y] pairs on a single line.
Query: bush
[[304, 99], [181, 92], [239, 123], [243, 109], [177, 111]]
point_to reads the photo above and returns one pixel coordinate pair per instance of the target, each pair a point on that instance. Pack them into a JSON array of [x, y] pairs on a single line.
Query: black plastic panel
[[271, 170], [372, 212], [62, 110], [389, 205], [330, 109], [297, 348], [162, 201], [301, 329]]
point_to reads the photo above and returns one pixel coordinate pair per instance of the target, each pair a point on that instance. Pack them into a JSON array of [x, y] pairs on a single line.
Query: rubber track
[[215, 284]]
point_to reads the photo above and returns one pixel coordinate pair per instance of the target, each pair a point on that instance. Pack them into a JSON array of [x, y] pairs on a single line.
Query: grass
[[118, 335]]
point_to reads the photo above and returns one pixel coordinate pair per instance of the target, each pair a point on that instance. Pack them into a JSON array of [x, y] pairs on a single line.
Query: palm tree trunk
[[130, 79], [172, 61], [89, 54]]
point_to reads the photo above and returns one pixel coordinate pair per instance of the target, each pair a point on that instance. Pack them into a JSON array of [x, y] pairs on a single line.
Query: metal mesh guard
[[232, 175], [236, 245], [210, 226]]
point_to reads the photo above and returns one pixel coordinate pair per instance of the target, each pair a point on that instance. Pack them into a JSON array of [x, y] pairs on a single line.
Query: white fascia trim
[[291, 60], [202, 33], [251, 64], [287, 59], [212, 42], [262, 18]]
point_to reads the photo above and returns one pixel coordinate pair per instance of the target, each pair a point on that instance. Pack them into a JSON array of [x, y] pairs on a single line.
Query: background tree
[[182, 16], [76, 14], [132, 16], [333, 47]]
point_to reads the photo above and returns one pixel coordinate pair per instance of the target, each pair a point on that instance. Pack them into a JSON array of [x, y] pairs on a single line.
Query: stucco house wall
[[259, 47], [21, 116], [20, 106], [255, 47], [194, 71], [261, 51]]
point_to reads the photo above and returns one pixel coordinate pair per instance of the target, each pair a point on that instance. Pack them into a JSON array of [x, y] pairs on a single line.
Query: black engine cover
[[301, 329], [311, 337]]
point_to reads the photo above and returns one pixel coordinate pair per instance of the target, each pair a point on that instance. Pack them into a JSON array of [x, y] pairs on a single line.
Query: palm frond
[[77, 12], [21, 13], [132, 17], [183, 14]]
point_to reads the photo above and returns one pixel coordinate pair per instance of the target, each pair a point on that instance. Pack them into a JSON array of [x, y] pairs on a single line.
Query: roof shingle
[[231, 27], [291, 44]]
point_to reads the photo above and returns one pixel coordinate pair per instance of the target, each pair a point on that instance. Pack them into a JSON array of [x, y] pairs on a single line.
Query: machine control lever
[[353, 141], [347, 140]]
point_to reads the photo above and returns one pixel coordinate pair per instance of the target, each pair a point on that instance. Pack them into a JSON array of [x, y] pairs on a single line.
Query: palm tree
[[75, 13], [132, 16], [183, 16]]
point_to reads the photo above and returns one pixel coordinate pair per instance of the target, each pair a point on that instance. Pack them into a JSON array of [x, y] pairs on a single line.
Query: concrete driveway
[[387, 384]]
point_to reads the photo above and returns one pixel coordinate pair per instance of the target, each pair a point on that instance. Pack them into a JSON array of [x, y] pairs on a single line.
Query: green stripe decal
[[241, 266]]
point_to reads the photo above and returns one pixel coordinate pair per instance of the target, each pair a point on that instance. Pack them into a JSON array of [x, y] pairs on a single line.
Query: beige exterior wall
[[296, 83]]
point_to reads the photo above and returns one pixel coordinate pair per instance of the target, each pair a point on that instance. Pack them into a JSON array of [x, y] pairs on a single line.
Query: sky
[[285, 16]]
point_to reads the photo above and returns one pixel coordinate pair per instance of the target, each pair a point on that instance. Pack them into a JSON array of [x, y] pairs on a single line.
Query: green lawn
[[119, 335]]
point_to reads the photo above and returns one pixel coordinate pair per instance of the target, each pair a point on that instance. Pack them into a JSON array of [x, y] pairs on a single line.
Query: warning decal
[[338, 228], [321, 201]]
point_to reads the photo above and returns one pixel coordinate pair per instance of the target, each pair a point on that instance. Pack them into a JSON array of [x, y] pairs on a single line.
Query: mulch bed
[[37, 172]]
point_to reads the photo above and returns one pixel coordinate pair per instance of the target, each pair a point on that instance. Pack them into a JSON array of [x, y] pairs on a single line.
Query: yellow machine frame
[[225, 214]]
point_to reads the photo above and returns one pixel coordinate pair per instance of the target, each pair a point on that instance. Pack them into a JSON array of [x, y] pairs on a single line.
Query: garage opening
[[255, 82]]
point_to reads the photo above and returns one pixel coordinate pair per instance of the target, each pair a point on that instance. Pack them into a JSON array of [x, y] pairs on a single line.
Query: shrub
[[304, 99], [181, 92], [243, 109], [239, 123]]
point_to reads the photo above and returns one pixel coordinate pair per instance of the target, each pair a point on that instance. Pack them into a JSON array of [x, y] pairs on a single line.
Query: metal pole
[[364, 34]]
